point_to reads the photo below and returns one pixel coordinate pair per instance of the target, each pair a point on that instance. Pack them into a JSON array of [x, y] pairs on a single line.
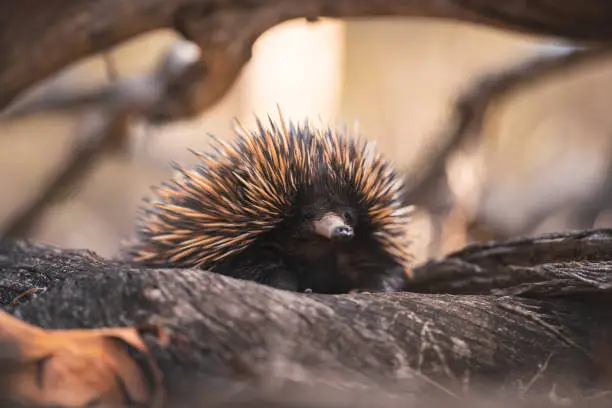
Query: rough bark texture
[[233, 332], [572, 264], [37, 39]]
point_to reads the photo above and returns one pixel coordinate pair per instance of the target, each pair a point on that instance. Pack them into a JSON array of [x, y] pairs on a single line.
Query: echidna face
[[325, 214], [324, 221], [331, 243]]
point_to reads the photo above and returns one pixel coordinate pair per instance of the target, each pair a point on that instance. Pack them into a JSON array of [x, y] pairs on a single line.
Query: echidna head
[[322, 219]]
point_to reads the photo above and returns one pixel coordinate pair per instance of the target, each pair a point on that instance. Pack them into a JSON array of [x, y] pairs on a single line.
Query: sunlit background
[[545, 148]]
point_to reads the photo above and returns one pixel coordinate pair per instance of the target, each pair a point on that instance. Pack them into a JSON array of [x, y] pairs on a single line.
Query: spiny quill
[[288, 205]]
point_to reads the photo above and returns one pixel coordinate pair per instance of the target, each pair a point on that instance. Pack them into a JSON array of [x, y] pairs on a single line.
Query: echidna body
[[292, 207]]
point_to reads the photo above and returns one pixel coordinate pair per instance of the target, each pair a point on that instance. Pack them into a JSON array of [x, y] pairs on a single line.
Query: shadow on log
[[228, 336]]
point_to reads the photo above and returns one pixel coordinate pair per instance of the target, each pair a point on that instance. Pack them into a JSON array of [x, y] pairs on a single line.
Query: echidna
[[293, 207]]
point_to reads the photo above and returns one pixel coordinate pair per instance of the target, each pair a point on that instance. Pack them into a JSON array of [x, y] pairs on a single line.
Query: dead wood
[[106, 128], [228, 334], [104, 132], [546, 266], [37, 40]]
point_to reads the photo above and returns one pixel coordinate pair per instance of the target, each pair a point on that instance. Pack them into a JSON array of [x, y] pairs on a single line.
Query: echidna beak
[[333, 227], [342, 233]]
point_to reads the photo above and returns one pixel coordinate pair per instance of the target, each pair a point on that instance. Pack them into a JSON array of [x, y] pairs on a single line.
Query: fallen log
[[227, 334]]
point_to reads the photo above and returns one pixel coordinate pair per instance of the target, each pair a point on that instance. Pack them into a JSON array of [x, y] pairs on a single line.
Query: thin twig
[[24, 294]]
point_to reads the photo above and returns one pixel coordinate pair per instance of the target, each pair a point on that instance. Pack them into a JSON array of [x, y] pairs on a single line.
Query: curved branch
[[473, 103], [428, 187], [164, 93], [36, 45]]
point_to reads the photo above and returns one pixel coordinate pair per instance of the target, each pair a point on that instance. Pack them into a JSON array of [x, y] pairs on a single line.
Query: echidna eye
[[348, 217], [308, 216]]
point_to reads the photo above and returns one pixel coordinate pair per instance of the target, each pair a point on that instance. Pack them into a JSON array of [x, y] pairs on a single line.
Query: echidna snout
[[333, 227], [342, 233]]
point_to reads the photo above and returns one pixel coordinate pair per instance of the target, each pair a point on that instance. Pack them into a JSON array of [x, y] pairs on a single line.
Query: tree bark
[[570, 264], [237, 332], [38, 39]]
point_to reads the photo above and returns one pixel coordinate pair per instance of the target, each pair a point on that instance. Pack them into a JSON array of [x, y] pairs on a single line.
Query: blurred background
[[541, 163]]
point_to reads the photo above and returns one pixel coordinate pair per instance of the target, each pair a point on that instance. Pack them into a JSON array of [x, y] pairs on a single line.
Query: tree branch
[[37, 44], [226, 331], [106, 128], [546, 266], [428, 187], [104, 133]]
